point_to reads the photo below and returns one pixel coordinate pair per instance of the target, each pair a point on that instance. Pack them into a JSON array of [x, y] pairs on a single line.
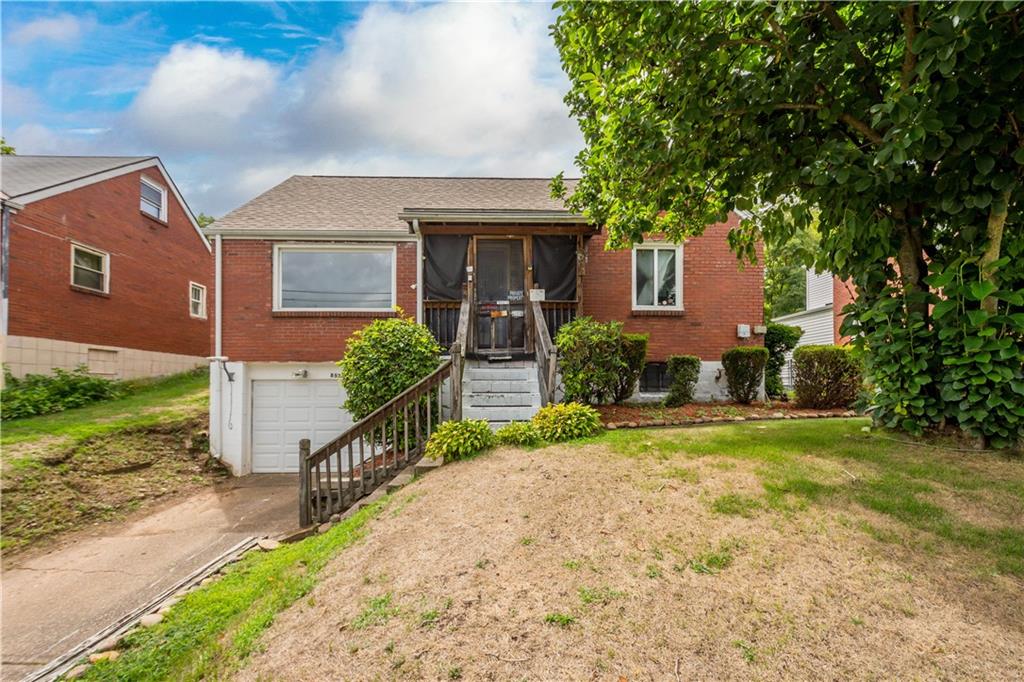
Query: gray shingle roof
[[317, 202], [20, 175]]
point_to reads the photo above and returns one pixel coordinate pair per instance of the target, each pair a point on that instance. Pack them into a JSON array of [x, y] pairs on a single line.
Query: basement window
[[153, 199], [655, 378], [90, 268]]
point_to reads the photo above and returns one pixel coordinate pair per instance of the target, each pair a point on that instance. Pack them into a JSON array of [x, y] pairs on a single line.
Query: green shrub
[[684, 370], [779, 340], [744, 370], [825, 376], [566, 421], [590, 359], [634, 356], [454, 440], [42, 394], [518, 433], [382, 360]]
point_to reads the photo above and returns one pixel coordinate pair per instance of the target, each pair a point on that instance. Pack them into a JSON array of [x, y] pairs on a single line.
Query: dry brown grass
[[473, 559]]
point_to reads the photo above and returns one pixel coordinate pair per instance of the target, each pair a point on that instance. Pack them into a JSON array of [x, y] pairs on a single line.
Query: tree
[[5, 149], [785, 281], [897, 125], [205, 220]]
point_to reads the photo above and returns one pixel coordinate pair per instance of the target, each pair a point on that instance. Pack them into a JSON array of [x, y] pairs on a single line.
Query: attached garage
[[286, 411]]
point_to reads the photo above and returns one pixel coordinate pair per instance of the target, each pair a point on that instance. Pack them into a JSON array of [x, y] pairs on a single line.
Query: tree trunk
[[994, 232], [913, 268]]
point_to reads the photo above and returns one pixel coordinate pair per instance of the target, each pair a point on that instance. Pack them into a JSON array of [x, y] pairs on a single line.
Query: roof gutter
[[351, 235], [493, 217]]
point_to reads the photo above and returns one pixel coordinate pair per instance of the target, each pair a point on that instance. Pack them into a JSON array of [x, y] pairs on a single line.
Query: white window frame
[[202, 300], [75, 246], [163, 198], [335, 248], [651, 246]]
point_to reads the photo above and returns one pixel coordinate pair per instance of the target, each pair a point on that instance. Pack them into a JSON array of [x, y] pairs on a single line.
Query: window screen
[[338, 280]]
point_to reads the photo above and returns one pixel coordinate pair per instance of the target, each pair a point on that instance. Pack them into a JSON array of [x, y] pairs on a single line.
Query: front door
[[500, 296]]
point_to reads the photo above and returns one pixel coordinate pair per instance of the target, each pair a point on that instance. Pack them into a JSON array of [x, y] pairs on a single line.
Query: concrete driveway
[[54, 601]]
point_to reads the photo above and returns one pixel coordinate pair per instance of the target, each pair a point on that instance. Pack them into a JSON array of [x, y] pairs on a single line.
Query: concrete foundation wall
[[28, 355]]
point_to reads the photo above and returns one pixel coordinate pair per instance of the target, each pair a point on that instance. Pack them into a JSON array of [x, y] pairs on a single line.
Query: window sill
[[156, 220], [92, 292], [334, 313], [672, 312]]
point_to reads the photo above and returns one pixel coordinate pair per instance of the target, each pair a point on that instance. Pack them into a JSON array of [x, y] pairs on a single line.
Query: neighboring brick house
[[104, 265], [307, 263], [822, 316]]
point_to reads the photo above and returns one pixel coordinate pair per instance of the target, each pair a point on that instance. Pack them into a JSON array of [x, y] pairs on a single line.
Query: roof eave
[[493, 217], [328, 233]]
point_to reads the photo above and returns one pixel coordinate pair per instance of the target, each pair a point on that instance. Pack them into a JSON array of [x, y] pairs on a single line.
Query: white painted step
[[500, 374], [499, 414], [531, 399], [473, 387]]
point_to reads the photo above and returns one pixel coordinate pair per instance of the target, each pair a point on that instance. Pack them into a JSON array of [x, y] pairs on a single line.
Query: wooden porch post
[[305, 518]]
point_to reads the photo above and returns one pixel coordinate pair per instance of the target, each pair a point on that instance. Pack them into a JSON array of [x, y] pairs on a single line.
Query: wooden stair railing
[[546, 353], [374, 449]]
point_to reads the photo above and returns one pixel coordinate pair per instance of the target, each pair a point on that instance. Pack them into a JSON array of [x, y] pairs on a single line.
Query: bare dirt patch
[[51, 488], [654, 414], [578, 563]]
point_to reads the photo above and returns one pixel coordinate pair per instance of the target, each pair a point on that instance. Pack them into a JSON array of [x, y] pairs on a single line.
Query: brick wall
[[843, 294], [253, 332], [151, 265], [717, 295]]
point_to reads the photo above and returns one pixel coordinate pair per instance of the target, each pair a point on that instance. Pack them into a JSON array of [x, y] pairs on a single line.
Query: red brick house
[[302, 266], [104, 265]]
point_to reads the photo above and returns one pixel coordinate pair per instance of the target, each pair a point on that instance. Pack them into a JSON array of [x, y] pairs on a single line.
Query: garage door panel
[[285, 412]]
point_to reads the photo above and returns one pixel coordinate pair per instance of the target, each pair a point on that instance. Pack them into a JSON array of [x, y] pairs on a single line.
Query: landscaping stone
[[777, 415], [268, 544], [109, 643], [324, 527], [335, 518], [150, 619], [168, 605], [76, 672], [105, 656]]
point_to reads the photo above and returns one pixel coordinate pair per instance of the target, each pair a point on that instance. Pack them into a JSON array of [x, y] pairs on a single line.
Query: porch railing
[[442, 319], [333, 477], [547, 355], [557, 313]]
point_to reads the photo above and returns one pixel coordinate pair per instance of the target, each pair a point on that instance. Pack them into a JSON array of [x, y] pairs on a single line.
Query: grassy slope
[[151, 403], [913, 488], [214, 628]]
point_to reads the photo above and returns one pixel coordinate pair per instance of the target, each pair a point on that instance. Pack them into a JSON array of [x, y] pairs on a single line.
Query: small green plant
[[598, 595], [455, 673], [483, 563], [733, 504], [684, 370], [455, 440], [825, 376], [747, 649], [42, 394], [566, 421], [518, 434], [711, 562], [428, 619], [377, 612], [779, 339], [572, 564], [744, 371], [562, 620], [526, 542], [652, 571]]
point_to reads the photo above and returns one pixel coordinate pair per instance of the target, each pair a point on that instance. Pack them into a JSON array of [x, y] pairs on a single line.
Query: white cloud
[[454, 80], [199, 97], [63, 28]]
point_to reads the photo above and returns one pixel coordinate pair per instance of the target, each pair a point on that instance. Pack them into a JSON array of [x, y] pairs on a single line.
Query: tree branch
[[907, 16], [859, 59]]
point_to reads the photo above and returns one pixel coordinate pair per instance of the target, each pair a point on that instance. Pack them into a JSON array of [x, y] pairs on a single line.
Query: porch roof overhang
[[462, 217]]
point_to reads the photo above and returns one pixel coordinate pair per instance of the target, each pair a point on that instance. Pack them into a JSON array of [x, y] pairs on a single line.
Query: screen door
[[500, 296]]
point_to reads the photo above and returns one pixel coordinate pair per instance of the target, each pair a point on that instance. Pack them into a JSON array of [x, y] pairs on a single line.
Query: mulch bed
[[634, 415]]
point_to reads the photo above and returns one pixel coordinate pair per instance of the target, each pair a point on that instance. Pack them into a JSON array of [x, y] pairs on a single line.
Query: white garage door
[[284, 412]]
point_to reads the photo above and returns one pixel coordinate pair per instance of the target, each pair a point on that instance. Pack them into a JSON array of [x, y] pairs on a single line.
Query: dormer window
[[153, 199]]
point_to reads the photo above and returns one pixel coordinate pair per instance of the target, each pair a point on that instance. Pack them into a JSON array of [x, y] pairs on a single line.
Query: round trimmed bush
[[590, 359], [566, 421], [518, 433], [383, 359], [634, 356], [825, 376], [455, 440], [744, 371], [684, 370]]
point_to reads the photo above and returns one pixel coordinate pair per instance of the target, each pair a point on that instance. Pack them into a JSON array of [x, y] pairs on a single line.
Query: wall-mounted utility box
[[743, 331]]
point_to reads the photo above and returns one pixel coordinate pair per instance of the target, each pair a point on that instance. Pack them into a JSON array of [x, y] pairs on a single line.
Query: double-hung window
[[196, 300], [153, 199], [658, 277], [339, 278], [90, 268]]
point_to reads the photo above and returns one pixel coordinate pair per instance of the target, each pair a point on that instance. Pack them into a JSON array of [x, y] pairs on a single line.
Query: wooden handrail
[[547, 354]]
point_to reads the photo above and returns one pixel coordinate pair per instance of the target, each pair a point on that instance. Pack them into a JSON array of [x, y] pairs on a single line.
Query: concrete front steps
[[500, 392]]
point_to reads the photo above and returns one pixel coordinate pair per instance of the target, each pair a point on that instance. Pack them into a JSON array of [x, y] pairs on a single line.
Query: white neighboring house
[[818, 319]]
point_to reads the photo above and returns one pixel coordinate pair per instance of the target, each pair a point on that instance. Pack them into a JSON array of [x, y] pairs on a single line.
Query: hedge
[[826, 376], [684, 370], [634, 356], [744, 371], [779, 340]]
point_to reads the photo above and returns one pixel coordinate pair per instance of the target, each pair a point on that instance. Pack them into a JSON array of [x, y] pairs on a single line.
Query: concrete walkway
[[54, 601]]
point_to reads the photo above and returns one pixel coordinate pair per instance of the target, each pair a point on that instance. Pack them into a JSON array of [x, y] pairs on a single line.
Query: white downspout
[[419, 270], [218, 280]]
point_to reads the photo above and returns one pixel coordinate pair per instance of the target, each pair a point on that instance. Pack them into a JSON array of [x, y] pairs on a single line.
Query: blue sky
[[236, 97]]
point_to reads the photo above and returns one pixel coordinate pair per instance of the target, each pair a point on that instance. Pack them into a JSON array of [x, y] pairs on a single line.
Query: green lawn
[[916, 487], [150, 402]]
